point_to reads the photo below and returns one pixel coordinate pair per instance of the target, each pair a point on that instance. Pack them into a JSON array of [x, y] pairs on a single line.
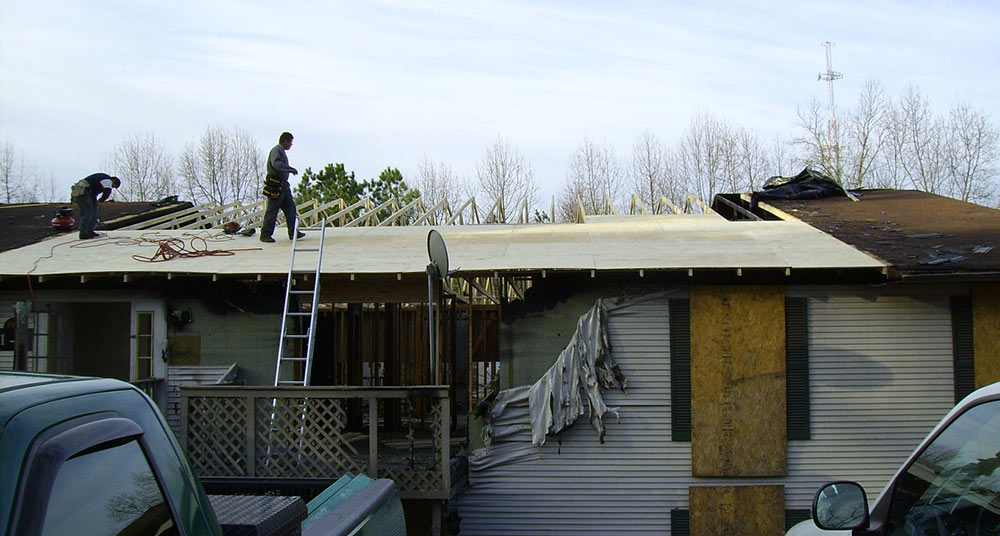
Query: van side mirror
[[840, 506]]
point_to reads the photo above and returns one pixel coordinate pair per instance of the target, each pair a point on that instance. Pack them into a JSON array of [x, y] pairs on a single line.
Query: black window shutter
[[962, 347], [680, 370], [680, 522], [793, 517], [797, 368]]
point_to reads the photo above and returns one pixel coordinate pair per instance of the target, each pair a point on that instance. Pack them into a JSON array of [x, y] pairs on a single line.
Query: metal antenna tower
[[832, 131]]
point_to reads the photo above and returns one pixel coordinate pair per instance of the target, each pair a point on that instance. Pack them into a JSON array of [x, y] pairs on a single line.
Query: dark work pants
[[286, 204], [88, 212]]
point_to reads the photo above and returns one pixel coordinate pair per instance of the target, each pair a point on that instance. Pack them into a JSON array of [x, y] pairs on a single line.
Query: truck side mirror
[[840, 506]]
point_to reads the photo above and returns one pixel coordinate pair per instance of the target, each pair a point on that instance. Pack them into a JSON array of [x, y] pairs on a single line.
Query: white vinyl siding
[[881, 377]]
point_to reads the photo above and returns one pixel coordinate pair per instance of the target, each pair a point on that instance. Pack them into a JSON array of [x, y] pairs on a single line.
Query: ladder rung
[[298, 314], [291, 382], [295, 336], [303, 271], [293, 358], [301, 291], [306, 249]]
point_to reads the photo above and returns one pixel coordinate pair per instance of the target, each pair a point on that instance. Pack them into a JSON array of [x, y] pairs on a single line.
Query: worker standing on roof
[[84, 194], [278, 191]]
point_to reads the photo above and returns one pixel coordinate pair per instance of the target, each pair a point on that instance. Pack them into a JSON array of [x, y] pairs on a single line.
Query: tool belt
[[79, 188], [272, 187]]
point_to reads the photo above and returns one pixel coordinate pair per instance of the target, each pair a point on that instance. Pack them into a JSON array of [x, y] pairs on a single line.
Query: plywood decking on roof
[[630, 243]]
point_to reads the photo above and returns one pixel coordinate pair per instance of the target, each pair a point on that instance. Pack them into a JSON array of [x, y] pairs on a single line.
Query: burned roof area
[[917, 232]]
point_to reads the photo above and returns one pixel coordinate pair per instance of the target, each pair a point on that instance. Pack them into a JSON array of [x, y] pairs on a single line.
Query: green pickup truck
[[90, 456]]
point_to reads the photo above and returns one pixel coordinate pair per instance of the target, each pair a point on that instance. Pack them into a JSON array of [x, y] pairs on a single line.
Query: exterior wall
[[527, 343], [221, 339], [574, 484], [216, 339], [881, 377], [59, 307]]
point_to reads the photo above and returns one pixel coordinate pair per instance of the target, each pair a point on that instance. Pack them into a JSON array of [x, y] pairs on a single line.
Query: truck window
[[106, 492], [953, 487]]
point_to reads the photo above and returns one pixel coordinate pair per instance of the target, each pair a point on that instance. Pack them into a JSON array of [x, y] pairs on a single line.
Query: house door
[[101, 339]]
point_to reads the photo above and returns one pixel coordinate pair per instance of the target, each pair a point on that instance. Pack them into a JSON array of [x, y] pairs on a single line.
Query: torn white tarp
[[556, 400]]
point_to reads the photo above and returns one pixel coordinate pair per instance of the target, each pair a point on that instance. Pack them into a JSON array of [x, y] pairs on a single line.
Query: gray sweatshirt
[[277, 163]]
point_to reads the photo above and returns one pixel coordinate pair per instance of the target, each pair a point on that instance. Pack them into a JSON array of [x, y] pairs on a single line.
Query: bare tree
[[815, 146], [782, 159], [650, 170], [506, 179], [972, 154], [438, 182], [864, 138], [923, 158], [18, 177], [889, 172], [594, 177], [748, 163], [702, 156], [222, 167], [143, 165]]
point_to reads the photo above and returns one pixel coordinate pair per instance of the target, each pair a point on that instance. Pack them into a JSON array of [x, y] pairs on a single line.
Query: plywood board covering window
[[738, 406], [986, 333], [737, 510]]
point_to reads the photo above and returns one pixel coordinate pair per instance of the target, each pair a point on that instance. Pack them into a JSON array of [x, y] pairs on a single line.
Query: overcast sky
[[386, 83]]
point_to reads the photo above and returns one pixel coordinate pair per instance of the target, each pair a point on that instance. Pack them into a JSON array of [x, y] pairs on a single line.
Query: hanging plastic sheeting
[[556, 400]]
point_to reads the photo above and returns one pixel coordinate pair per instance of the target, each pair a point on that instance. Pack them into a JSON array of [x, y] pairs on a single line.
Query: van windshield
[[953, 487]]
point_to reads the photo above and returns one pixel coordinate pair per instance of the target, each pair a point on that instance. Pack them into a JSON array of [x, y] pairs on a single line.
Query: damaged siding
[[574, 484], [867, 353]]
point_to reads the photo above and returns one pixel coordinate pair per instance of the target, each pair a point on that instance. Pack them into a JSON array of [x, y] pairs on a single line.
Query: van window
[[953, 487], [127, 501]]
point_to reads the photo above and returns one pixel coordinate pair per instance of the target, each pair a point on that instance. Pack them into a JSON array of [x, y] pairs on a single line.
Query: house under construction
[[674, 370]]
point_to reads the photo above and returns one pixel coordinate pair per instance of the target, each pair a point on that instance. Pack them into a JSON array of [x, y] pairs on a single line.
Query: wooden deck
[[308, 432]]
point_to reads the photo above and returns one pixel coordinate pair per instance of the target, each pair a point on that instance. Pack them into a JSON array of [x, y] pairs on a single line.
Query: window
[[143, 345], [128, 501]]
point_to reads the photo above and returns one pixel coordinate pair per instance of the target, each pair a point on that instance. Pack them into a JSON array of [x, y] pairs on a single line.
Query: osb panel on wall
[[737, 510], [986, 333], [185, 349], [738, 381]]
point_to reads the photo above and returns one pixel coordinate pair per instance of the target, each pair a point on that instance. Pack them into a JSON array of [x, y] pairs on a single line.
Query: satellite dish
[[437, 252]]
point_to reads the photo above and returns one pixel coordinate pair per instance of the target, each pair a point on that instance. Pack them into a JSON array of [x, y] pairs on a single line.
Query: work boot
[[267, 239], [84, 236], [301, 235]]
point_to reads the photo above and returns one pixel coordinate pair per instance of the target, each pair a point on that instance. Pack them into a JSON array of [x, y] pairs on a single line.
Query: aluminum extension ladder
[[291, 319]]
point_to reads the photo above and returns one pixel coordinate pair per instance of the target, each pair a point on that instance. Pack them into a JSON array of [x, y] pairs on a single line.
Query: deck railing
[[153, 387], [312, 432]]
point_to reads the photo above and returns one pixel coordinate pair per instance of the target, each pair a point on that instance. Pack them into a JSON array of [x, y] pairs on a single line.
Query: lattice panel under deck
[[215, 436], [299, 437]]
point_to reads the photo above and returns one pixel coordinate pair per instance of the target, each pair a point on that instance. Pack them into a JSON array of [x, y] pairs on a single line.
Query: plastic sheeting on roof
[[556, 400], [808, 184]]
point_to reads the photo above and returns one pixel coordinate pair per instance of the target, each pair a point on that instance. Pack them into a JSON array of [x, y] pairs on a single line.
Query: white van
[[949, 486]]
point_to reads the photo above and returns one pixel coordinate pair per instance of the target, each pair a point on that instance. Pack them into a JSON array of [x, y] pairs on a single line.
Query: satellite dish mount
[[437, 270]]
